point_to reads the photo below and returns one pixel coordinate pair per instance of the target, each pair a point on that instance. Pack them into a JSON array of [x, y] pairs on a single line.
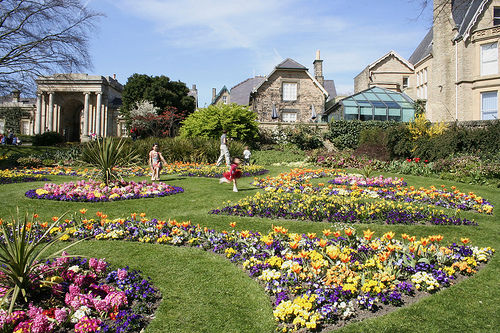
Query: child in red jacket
[[233, 174]]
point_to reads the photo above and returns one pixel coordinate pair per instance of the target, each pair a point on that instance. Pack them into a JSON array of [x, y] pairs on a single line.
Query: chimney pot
[[317, 55], [114, 76], [214, 93]]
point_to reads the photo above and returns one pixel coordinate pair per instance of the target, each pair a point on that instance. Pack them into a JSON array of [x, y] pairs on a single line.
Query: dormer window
[[496, 16], [224, 99]]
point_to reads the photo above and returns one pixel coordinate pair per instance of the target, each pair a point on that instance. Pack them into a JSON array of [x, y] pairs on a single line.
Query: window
[[422, 83], [489, 59], [496, 16], [425, 75], [405, 82], [289, 91], [224, 99], [289, 117], [489, 105], [123, 129]]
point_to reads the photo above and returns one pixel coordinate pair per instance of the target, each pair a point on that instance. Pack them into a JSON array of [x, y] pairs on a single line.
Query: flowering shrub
[[316, 281], [85, 296], [13, 176], [95, 191]]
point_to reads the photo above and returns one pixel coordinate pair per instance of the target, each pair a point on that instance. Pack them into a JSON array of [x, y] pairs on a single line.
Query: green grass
[[204, 292]]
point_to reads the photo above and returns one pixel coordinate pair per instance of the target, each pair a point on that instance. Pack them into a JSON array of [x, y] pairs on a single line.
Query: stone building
[[391, 71], [223, 96], [288, 94], [25, 105], [455, 67]]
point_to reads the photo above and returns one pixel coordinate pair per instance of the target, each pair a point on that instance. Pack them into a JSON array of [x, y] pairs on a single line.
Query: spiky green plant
[[107, 154], [22, 251]]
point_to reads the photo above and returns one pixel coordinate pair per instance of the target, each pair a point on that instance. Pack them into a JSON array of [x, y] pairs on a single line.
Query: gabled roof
[[465, 14], [219, 94], [290, 64], [423, 49], [240, 93], [330, 88], [391, 53]]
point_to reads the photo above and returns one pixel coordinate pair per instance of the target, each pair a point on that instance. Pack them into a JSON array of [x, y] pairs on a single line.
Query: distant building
[[288, 94], [26, 105], [79, 106], [455, 68]]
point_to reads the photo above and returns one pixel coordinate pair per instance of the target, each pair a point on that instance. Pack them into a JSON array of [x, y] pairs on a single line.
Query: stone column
[[38, 115], [85, 134], [51, 112], [44, 113], [57, 120], [106, 121], [98, 114]]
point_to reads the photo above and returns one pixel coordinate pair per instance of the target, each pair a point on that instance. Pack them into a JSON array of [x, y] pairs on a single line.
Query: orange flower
[[304, 254], [244, 233], [133, 215], [465, 240], [412, 238], [83, 210], [186, 224], [404, 236], [142, 214], [322, 242], [54, 218], [337, 234], [35, 215], [296, 268], [44, 225], [311, 235], [389, 235], [424, 241], [368, 234], [293, 245], [104, 216], [297, 237], [349, 231], [344, 257], [327, 232], [99, 214], [232, 224], [224, 232]]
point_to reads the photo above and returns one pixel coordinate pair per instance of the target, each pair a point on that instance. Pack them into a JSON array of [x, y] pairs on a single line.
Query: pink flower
[[121, 274], [61, 315], [116, 299], [101, 305], [87, 324], [41, 324]]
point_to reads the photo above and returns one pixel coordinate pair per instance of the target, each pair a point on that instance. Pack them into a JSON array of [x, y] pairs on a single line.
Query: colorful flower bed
[[181, 168], [96, 191], [12, 176], [305, 206], [380, 181], [315, 282], [298, 181], [80, 295]]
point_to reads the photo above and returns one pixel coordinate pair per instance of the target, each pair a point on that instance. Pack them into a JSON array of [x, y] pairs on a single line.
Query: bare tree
[[41, 37]]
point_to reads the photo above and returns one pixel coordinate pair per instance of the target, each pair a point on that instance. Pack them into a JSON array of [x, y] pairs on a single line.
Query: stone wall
[[271, 92]]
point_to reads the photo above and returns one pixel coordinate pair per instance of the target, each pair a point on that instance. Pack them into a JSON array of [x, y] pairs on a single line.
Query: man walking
[[224, 152]]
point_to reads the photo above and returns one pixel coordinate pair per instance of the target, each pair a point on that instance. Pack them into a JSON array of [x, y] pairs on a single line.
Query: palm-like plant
[[107, 154], [22, 251]]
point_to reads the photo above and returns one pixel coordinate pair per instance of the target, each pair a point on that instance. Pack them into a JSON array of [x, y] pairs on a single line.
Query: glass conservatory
[[372, 104]]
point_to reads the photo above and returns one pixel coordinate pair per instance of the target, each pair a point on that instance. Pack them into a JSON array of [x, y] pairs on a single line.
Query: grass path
[[205, 293]]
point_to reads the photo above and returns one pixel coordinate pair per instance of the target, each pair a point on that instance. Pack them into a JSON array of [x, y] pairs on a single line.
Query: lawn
[[204, 292]]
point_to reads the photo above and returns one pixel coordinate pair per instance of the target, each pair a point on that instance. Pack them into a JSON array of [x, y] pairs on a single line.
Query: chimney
[[214, 93], [194, 87], [114, 76], [318, 69], [16, 94]]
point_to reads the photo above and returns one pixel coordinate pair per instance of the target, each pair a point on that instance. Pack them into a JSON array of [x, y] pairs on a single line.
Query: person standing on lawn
[[233, 174], [224, 152], [246, 156], [155, 162]]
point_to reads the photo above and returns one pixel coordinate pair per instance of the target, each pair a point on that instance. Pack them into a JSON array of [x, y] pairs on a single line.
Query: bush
[[373, 144], [48, 139], [399, 142], [196, 149], [345, 134]]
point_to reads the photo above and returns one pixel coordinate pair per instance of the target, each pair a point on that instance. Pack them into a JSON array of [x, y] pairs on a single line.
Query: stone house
[[391, 71], [455, 67], [25, 105], [223, 96], [289, 94]]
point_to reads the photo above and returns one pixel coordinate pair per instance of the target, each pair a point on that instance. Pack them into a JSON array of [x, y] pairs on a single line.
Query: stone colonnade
[[95, 114]]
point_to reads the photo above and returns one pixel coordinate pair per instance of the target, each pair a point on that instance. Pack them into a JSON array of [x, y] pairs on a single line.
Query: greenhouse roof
[[372, 104], [377, 97]]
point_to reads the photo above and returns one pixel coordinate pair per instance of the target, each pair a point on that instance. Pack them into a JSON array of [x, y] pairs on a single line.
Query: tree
[[239, 122], [148, 121], [39, 37], [159, 90]]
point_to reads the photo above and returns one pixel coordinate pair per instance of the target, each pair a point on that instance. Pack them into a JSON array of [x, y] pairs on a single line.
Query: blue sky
[[212, 43]]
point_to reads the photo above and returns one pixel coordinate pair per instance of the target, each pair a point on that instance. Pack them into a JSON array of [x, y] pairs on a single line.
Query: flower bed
[[380, 181], [317, 282], [80, 295], [95, 191], [12, 176], [304, 206], [298, 181]]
